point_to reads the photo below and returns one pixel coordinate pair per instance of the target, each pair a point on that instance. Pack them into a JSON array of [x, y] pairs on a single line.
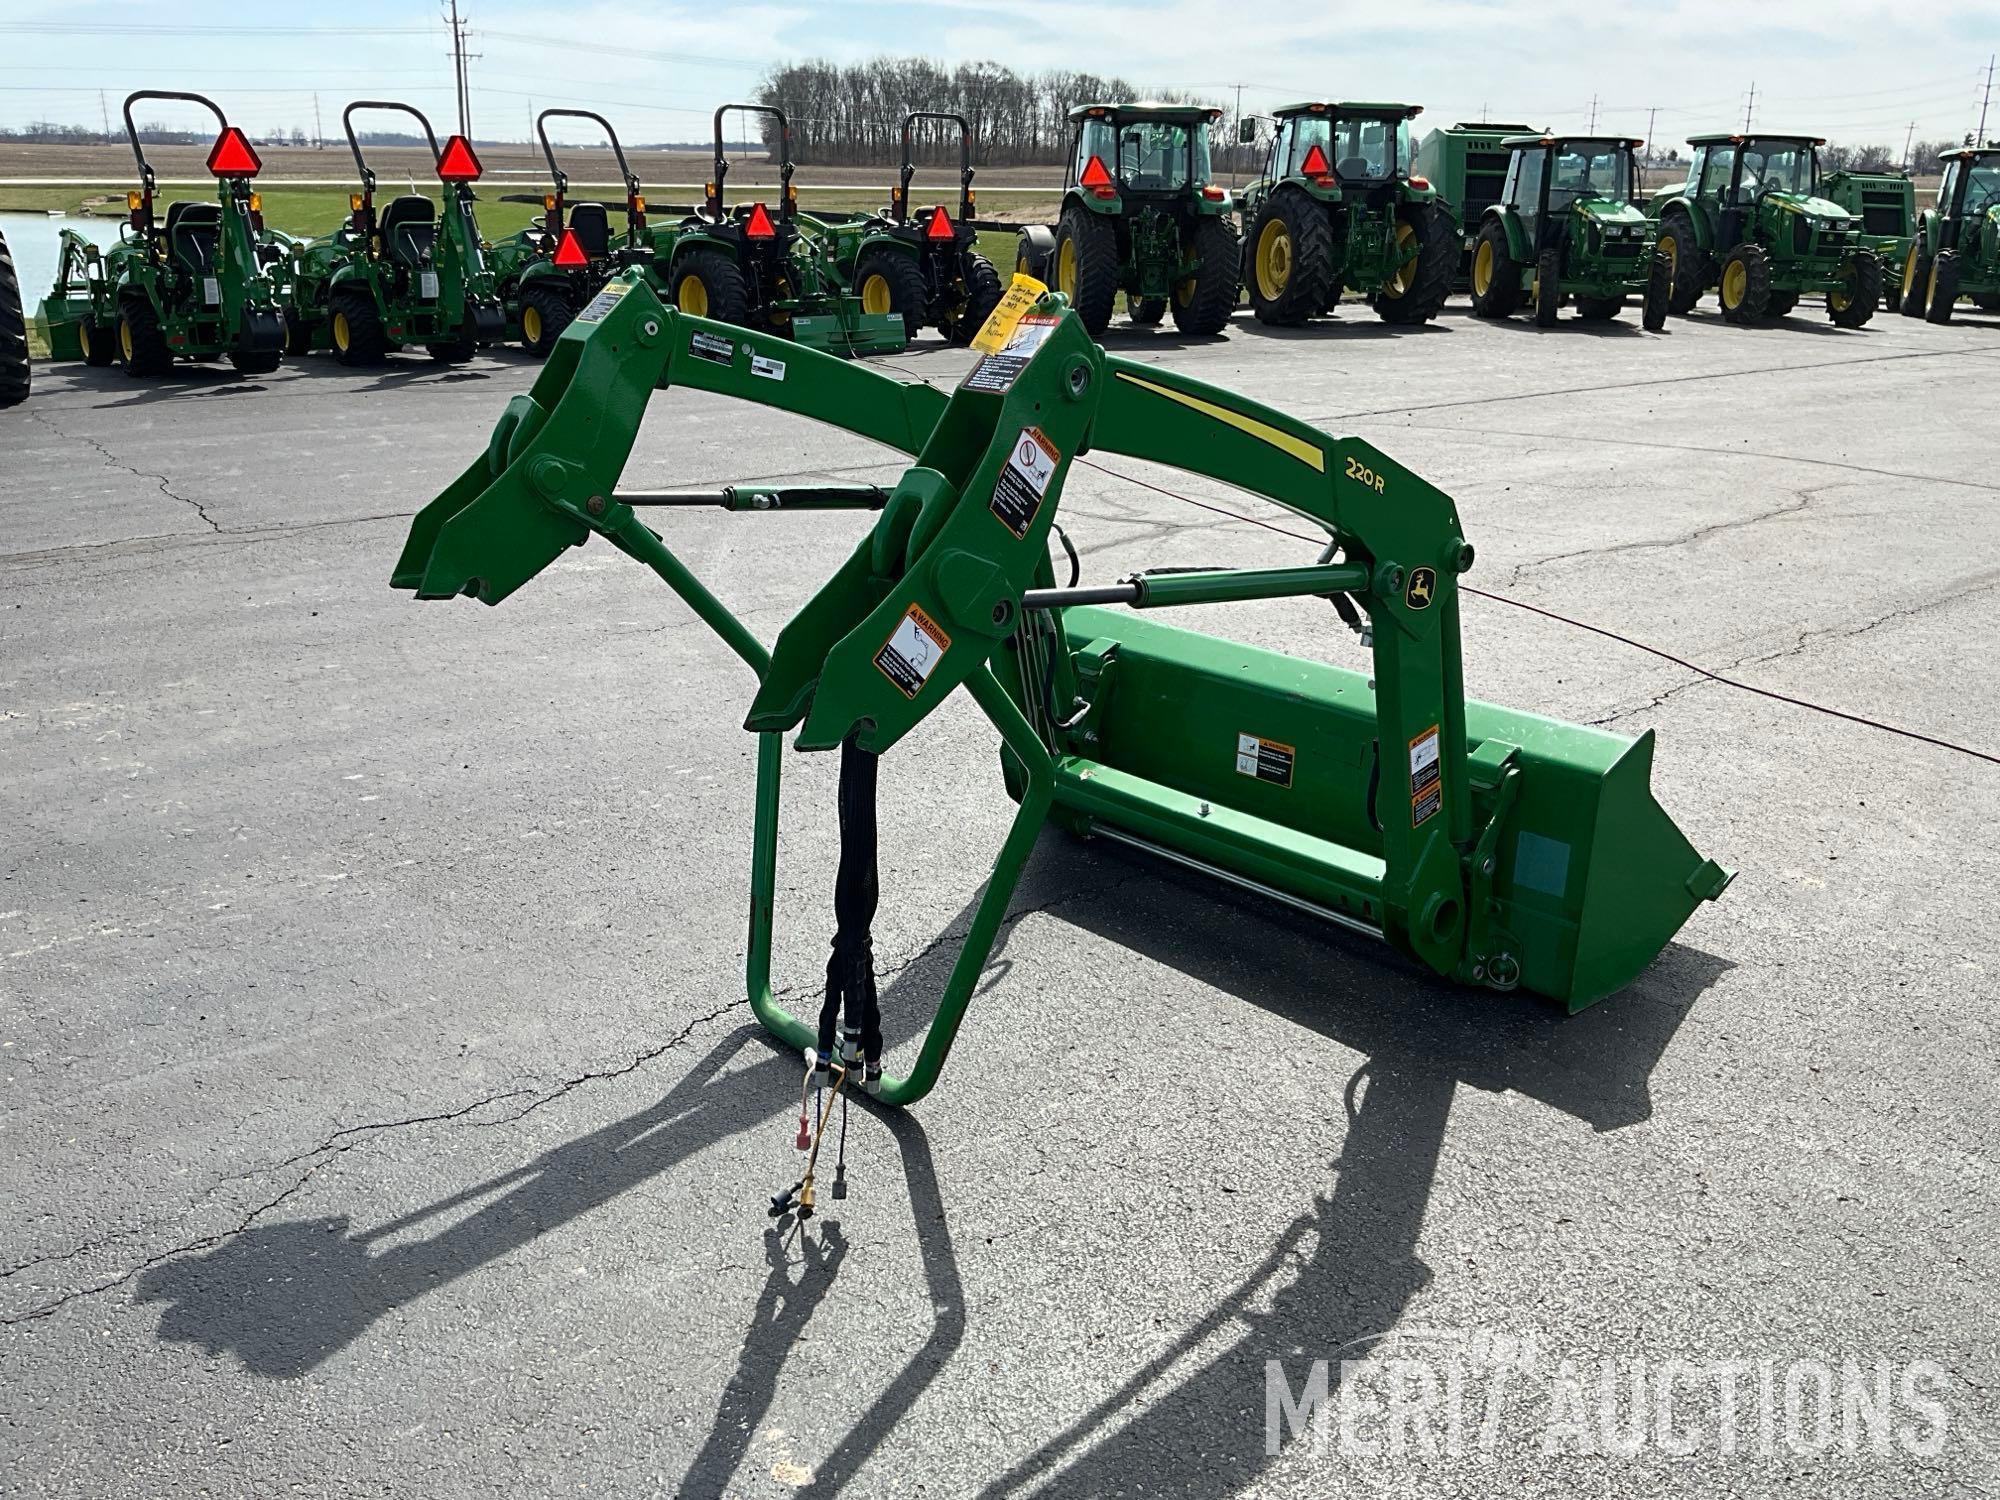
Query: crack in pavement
[[352, 1137], [1803, 499], [113, 461]]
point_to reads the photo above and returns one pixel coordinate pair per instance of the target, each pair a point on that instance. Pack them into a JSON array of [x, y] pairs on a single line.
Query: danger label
[[711, 348], [1267, 760], [916, 646], [1017, 494], [1426, 786], [600, 305], [998, 371]]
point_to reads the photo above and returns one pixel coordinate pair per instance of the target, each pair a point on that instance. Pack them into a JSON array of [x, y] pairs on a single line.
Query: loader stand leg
[[979, 938]]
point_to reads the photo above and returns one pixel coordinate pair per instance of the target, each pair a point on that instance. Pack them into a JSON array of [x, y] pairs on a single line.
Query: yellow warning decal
[[916, 645], [1306, 453], [1021, 294]]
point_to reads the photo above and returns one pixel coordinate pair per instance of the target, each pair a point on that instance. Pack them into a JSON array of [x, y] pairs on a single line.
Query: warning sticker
[[603, 302], [912, 650], [1022, 293], [769, 369], [427, 285], [211, 291], [1267, 760], [998, 371], [1017, 494], [712, 348], [1426, 788]]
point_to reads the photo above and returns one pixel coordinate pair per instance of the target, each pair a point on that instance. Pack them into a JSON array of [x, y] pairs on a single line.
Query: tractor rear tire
[[982, 295], [1916, 281], [1942, 289], [1548, 288], [551, 314], [1866, 295], [1496, 275], [1145, 311], [1746, 285], [358, 338], [298, 334], [1203, 302], [1290, 272], [14, 376], [1086, 266], [1683, 251], [263, 362], [1659, 294], [1438, 247], [100, 344], [891, 281], [708, 284], [142, 348]]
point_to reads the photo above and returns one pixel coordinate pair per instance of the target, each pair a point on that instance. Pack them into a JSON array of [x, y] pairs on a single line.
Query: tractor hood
[[1608, 211], [1820, 210]]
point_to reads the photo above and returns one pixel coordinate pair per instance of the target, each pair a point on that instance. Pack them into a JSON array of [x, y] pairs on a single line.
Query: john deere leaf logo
[[1423, 583]]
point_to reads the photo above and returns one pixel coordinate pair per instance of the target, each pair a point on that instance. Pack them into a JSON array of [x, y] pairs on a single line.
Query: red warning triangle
[[1094, 174], [941, 226], [1316, 164], [759, 225], [569, 254], [232, 156], [458, 164]]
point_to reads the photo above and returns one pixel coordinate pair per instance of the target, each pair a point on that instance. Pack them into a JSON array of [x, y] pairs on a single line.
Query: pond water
[[34, 240]]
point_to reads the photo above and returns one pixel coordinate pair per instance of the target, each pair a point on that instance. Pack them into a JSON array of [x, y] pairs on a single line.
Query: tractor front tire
[[14, 375], [1428, 287], [1599, 309], [1781, 304], [1857, 304], [708, 284], [1659, 294], [358, 338], [982, 294], [1086, 266], [1203, 302], [1144, 311], [1548, 288], [1291, 271], [263, 362], [1746, 285], [298, 334], [1496, 275], [545, 313], [1916, 281], [1683, 252], [1942, 288], [142, 348], [891, 281], [100, 344]]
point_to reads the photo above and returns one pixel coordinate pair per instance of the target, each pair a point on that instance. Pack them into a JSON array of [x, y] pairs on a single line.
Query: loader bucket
[[846, 329], [59, 321], [1592, 878]]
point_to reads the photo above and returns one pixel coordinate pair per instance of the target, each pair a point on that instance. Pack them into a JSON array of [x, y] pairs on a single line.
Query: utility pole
[[458, 60], [1593, 114], [319, 135], [1236, 148], [1907, 139], [1986, 99], [1751, 108], [104, 110]]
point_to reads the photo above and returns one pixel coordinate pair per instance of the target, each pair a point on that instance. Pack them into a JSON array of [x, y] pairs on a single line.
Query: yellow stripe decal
[[1306, 453]]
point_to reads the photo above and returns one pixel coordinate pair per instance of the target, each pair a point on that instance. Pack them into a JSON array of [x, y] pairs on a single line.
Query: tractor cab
[[1349, 149], [1969, 192], [1156, 152], [1765, 184], [1562, 188], [1955, 251]]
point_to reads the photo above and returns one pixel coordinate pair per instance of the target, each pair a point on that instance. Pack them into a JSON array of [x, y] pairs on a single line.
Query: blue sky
[[1852, 71]]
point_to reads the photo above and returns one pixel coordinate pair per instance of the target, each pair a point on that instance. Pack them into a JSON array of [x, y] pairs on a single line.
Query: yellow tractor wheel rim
[[531, 324], [125, 337], [691, 296], [1670, 247], [875, 296], [342, 334], [1930, 287], [1839, 300], [83, 339], [1021, 267], [1909, 270], [1184, 292], [1406, 269], [1482, 268], [1735, 282], [1274, 259], [1066, 268]]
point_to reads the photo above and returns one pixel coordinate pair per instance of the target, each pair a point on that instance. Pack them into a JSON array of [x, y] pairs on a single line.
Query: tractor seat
[[409, 229], [192, 230], [593, 229], [1354, 169]]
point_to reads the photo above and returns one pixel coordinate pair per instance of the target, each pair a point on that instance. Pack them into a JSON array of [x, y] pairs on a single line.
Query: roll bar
[[354, 144], [633, 215], [900, 208], [784, 156], [132, 131]]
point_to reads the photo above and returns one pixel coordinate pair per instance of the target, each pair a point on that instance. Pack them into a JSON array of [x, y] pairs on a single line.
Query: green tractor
[[925, 267], [772, 269], [547, 273], [1566, 228], [1467, 164], [196, 286], [1340, 207], [1885, 203], [1141, 216], [1750, 222], [409, 274], [1956, 250], [14, 377]]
